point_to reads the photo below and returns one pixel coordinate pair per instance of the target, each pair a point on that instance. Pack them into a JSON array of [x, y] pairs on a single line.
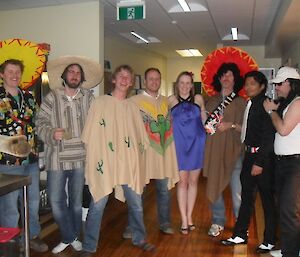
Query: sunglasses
[[279, 84]]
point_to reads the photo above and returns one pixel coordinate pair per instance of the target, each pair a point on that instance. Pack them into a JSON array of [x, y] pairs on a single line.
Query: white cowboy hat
[[93, 71]]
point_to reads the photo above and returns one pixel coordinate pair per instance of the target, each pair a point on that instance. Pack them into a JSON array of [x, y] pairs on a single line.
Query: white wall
[[119, 52], [73, 29]]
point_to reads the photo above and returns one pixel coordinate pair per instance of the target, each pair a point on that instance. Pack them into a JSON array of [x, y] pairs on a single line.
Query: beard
[[72, 85]]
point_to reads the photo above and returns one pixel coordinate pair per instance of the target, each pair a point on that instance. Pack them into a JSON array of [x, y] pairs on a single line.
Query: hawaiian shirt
[[17, 118]]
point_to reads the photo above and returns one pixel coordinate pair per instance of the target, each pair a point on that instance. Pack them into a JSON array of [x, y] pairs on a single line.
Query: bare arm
[[289, 122], [200, 101]]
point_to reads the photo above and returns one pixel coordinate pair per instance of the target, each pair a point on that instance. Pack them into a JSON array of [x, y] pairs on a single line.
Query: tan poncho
[[115, 140], [161, 159]]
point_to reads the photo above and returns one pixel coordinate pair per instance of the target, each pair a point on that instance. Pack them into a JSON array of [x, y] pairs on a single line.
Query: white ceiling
[[272, 22]]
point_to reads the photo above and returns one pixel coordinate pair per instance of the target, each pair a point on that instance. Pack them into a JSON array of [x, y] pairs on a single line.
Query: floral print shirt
[[17, 118]]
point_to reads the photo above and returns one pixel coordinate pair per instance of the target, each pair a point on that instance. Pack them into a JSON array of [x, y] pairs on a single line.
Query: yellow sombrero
[[31, 54]]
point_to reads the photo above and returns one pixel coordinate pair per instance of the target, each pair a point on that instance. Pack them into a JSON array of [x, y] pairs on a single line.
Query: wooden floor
[[196, 244]]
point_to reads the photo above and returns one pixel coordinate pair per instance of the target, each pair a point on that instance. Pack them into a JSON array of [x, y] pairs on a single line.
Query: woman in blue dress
[[188, 117]]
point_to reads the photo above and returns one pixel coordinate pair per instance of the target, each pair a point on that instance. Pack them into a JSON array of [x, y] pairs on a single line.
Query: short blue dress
[[189, 134]]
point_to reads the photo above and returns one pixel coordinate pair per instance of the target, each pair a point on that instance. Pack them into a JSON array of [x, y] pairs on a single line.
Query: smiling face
[[252, 87], [123, 81], [283, 89], [184, 86], [11, 76], [152, 82]]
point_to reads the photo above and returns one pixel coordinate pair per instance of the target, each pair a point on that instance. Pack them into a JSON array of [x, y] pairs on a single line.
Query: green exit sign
[[131, 12]]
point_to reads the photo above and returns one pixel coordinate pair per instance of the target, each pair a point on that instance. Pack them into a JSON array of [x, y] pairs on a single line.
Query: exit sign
[[131, 12]]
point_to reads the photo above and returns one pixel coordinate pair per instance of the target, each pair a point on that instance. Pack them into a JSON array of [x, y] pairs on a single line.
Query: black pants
[[264, 183], [288, 193]]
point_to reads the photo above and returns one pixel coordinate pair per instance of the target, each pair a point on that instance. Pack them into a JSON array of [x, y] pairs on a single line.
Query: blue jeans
[[66, 206], [94, 218], [163, 202], [218, 207], [9, 214]]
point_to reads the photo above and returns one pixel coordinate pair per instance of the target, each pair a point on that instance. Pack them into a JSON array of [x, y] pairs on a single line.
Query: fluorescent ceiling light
[[139, 37], [234, 32], [189, 52], [195, 52], [228, 37], [184, 5]]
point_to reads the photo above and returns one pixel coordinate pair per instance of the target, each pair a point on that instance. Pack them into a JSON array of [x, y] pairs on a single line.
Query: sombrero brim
[[225, 55], [93, 71], [31, 54]]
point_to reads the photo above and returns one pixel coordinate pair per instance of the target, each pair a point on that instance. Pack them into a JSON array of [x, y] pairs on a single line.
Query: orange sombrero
[[31, 54], [225, 55]]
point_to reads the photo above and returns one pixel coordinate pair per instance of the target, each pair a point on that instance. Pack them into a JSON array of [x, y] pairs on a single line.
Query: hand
[[269, 105], [59, 134], [222, 126], [256, 170]]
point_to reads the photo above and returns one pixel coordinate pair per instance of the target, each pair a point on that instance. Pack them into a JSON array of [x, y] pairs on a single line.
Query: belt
[[251, 149], [288, 157]]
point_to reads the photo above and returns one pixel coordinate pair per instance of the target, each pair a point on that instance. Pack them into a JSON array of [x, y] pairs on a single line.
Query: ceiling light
[[195, 52], [234, 32], [184, 5], [189, 52], [139, 37]]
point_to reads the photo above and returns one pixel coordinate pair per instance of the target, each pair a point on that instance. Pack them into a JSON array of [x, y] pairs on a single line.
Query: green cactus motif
[[127, 141], [102, 123], [141, 147], [99, 166], [161, 126], [111, 147]]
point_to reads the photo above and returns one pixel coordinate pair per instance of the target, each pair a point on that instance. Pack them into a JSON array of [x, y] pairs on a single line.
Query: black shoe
[[264, 248], [234, 241]]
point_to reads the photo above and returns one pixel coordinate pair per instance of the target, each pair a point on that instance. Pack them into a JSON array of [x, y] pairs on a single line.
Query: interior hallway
[[196, 244]]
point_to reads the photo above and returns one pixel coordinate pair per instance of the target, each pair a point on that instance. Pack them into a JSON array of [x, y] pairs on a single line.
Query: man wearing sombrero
[[17, 112], [223, 161], [60, 123]]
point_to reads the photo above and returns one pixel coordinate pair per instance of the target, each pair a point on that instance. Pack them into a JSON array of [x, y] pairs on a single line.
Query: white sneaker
[[77, 245], [215, 230], [276, 253], [59, 248]]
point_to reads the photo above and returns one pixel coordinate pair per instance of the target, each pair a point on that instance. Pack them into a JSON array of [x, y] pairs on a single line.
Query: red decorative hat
[[31, 54], [225, 55]]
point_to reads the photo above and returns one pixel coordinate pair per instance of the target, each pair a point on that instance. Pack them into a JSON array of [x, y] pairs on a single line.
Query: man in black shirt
[[258, 137]]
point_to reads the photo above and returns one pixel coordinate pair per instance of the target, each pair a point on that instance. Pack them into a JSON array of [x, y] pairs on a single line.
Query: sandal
[[184, 231], [191, 227], [146, 247]]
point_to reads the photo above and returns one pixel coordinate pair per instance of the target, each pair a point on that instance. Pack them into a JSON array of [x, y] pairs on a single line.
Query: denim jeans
[[218, 207], [287, 175], [94, 218], [9, 213], [66, 206], [163, 201]]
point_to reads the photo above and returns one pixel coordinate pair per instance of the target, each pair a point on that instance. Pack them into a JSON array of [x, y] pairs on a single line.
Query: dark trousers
[[288, 191], [250, 185]]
